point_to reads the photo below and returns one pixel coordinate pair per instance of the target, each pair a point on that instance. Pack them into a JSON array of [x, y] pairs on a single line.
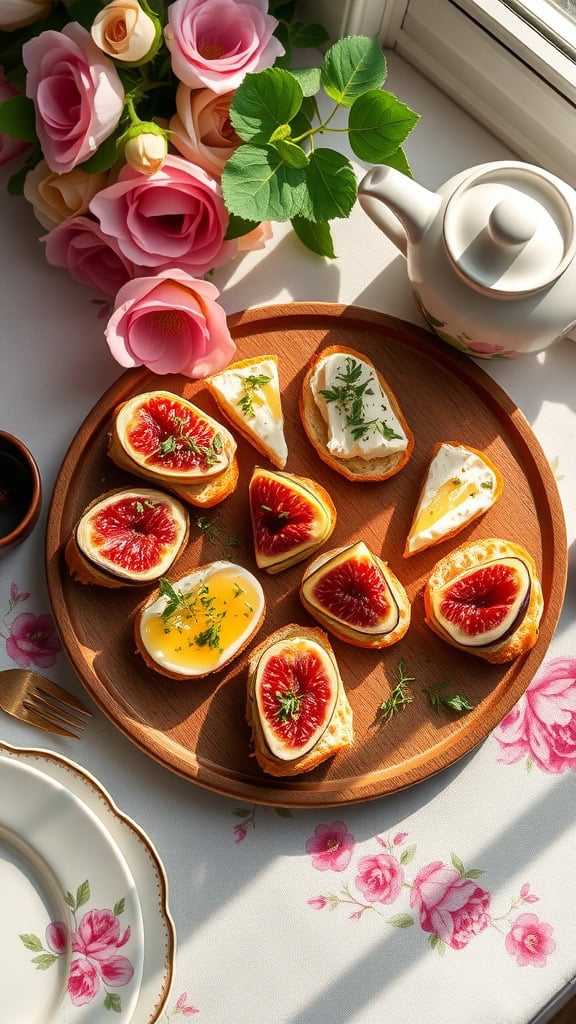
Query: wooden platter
[[198, 729]]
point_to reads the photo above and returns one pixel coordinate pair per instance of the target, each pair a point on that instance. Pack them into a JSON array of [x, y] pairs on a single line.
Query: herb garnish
[[349, 398], [179, 440], [487, 484], [400, 694], [455, 701], [177, 601], [209, 526], [288, 705], [139, 508], [251, 384]]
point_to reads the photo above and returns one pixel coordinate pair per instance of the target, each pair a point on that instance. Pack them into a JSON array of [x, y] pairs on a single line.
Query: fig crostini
[[485, 598], [292, 516], [296, 704], [169, 441], [352, 417], [127, 537]]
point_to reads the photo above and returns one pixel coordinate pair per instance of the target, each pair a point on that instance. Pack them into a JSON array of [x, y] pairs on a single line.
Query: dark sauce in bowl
[[20, 492]]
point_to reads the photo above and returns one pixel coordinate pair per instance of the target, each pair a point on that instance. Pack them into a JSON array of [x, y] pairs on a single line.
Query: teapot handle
[[385, 220]]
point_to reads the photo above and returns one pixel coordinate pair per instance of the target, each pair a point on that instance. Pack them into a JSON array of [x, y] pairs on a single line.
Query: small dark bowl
[[20, 492]]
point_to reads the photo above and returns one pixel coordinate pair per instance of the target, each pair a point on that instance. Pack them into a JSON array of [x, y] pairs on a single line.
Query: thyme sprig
[[251, 384], [179, 439], [349, 398], [288, 705], [454, 701], [400, 695]]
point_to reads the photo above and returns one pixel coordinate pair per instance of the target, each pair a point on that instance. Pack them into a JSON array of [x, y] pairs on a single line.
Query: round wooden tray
[[198, 729]]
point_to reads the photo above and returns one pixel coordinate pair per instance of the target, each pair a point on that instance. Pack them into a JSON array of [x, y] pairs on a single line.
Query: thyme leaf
[[288, 705], [349, 398], [251, 384], [400, 695], [454, 701]]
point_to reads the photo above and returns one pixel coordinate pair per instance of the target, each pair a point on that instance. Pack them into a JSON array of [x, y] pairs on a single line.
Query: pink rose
[[317, 902], [215, 43], [116, 971], [77, 94], [173, 218], [33, 641], [184, 1006], [90, 257], [57, 936], [240, 833], [98, 935], [450, 906], [331, 847], [170, 323], [543, 722], [9, 148], [380, 879], [83, 981], [201, 128], [529, 941]]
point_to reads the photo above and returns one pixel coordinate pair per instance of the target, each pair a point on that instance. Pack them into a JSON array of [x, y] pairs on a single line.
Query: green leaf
[[457, 863], [32, 942], [264, 101], [291, 154], [119, 907], [473, 873], [408, 854], [332, 186], [238, 227], [106, 155], [400, 921], [283, 812], [44, 961], [70, 901], [83, 11], [399, 161], [378, 124], [113, 1002], [308, 79], [257, 185], [82, 894], [15, 186], [241, 812], [306, 36], [283, 131], [437, 943], [17, 118], [316, 237], [351, 67]]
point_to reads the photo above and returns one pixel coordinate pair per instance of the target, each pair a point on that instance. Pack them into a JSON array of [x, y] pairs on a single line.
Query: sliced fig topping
[[484, 605], [171, 437], [133, 534], [351, 588], [296, 689], [288, 520]]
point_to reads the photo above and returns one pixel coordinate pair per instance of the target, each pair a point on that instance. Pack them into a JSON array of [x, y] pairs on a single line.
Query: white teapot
[[490, 256]]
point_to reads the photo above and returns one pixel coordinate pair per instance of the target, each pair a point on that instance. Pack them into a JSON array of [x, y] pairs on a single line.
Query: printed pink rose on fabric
[[529, 940], [170, 323], [173, 218], [89, 256], [380, 878], [77, 95], [98, 935], [83, 982], [184, 1007], [33, 640], [9, 148], [215, 43], [331, 847], [450, 906], [542, 725], [201, 129]]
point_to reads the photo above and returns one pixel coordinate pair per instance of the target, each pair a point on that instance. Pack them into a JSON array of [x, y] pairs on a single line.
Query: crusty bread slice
[[339, 732], [356, 469], [249, 426], [416, 541], [203, 494], [347, 632], [474, 555]]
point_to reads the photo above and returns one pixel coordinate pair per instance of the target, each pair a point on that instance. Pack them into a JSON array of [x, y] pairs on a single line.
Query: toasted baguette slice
[[203, 494], [338, 732], [461, 483], [90, 553], [525, 606], [357, 468], [212, 619], [248, 394], [333, 567]]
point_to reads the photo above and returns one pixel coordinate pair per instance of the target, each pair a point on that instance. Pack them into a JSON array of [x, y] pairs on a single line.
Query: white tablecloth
[[289, 918]]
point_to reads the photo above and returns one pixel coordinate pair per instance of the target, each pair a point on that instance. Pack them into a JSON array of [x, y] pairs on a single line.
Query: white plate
[[72, 937], [146, 868]]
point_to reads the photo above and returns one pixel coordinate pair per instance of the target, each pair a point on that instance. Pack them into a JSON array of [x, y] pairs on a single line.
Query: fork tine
[[53, 690], [45, 705], [44, 723]]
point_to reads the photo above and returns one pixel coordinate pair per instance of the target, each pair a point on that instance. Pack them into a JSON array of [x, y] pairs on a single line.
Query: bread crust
[[203, 494], [84, 571], [237, 419], [339, 732], [180, 676], [348, 634], [323, 498], [496, 494], [355, 469], [474, 555]]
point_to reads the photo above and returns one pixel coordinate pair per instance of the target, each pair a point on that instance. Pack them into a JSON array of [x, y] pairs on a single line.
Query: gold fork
[[40, 702]]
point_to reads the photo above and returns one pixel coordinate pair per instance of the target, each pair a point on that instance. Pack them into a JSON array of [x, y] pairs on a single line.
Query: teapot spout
[[397, 204]]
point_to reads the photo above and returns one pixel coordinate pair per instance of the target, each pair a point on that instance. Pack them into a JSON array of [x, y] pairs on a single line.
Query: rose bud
[[18, 13], [124, 31], [146, 152]]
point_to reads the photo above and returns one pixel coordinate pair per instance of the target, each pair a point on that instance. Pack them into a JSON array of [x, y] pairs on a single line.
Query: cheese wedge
[[248, 393], [461, 484]]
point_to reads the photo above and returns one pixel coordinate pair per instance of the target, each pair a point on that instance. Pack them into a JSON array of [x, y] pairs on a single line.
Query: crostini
[[292, 516], [248, 394]]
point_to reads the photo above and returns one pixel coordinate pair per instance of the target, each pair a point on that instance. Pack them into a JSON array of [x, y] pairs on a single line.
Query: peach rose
[[257, 238], [146, 152], [170, 323], [56, 197], [201, 128], [216, 43], [77, 95], [18, 13], [124, 31]]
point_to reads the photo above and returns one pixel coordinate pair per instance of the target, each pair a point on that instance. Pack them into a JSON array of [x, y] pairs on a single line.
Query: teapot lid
[[509, 228]]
